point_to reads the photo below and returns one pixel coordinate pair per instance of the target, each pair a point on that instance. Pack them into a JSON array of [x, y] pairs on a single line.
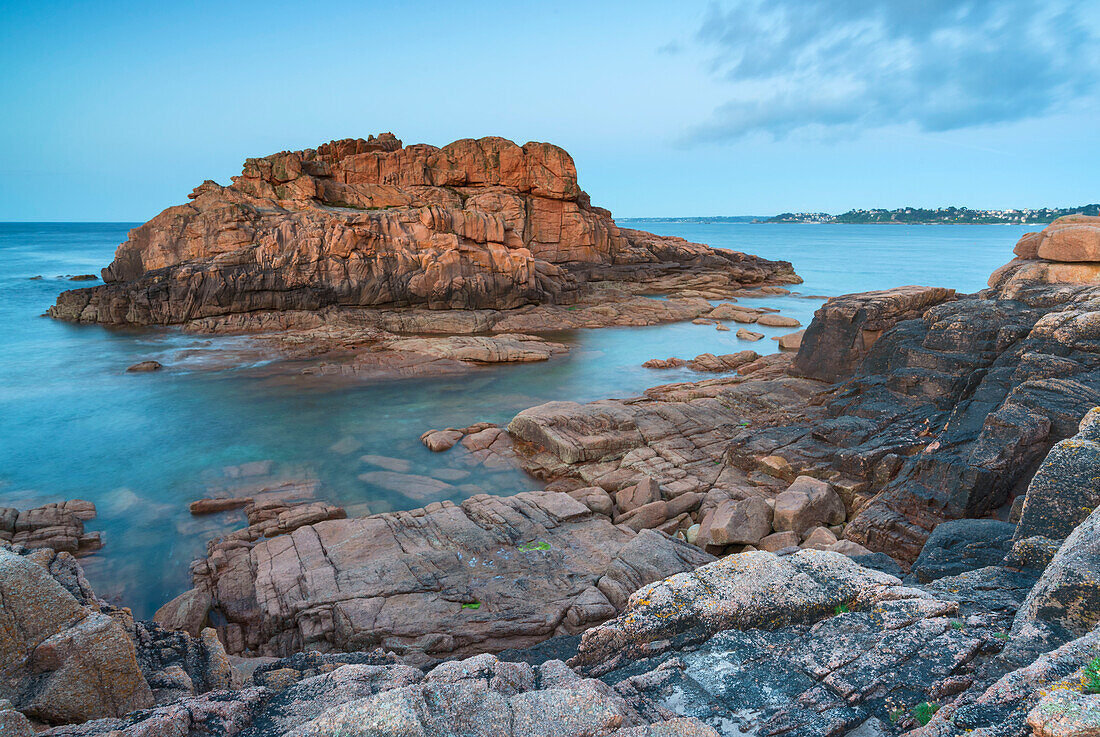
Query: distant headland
[[945, 215], [901, 216]]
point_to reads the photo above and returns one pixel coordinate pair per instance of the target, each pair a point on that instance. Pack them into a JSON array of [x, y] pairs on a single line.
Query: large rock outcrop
[[476, 224], [450, 579]]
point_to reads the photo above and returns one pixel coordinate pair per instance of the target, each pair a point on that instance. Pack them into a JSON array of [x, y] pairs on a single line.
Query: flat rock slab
[[489, 574]]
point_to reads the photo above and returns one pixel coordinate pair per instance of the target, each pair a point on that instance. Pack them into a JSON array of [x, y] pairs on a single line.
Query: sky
[[115, 111]]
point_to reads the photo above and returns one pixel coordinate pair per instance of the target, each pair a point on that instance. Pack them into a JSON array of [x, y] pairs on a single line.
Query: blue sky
[[114, 111]]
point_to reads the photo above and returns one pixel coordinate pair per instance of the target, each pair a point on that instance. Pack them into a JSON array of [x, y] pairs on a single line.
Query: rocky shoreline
[[887, 529]]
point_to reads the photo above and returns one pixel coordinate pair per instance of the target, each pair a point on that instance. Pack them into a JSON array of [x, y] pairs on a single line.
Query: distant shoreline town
[[900, 216]]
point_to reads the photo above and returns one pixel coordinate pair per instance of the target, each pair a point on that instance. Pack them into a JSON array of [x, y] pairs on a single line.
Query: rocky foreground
[[1001, 639]]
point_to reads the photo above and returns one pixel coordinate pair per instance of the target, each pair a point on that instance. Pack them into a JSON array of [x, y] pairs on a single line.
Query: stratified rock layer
[[476, 224]]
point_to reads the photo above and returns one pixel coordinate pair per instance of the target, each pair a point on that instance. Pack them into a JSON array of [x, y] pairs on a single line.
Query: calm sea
[[73, 424]]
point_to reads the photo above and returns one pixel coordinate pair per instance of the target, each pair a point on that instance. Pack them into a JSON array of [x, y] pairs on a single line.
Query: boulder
[[144, 367], [644, 492], [777, 321], [737, 522], [1067, 485], [1028, 245], [1065, 602], [1071, 238], [60, 661], [790, 341], [807, 503], [188, 612], [744, 334], [819, 538], [779, 541], [750, 590], [438, 441]]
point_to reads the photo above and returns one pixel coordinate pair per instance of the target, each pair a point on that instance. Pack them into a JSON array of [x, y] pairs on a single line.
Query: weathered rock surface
[[1065, 602], [845, 328], [66, 656], [476, 224], [61, 661], [958, 546], [489, 574], [480, 696], [1066, 487], [58, 526]]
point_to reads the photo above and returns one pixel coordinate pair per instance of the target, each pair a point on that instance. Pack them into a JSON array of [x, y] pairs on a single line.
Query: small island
[[941, 215]]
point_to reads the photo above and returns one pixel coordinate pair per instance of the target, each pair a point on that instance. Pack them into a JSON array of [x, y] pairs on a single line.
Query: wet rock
[[777, 321], [744, 334], [790, 341], [189, 612], [144, 367], [706, 362], [221, 504], [58, 526], [505, 348], [438, 441], [962, 545]]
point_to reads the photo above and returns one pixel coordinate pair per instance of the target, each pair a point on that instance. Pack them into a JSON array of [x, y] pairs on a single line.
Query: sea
[[75, 425]]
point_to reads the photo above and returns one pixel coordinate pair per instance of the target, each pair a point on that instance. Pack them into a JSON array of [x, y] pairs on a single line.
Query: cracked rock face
[[489, 574], [365, 223]]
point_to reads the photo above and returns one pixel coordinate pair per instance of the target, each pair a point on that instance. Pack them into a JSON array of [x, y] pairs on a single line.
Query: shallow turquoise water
[[141, 446]]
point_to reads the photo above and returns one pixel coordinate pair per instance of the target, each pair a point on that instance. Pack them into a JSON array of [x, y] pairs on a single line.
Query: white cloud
[[936, 64]]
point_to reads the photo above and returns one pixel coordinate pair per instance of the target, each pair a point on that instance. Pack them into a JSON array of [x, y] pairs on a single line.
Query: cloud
[[940, 65]]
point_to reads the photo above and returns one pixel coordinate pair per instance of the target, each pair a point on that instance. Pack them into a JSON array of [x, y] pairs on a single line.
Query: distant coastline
[[900, 216]]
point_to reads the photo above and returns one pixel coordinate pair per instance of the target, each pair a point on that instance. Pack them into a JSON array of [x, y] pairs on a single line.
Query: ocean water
[[73, 424]]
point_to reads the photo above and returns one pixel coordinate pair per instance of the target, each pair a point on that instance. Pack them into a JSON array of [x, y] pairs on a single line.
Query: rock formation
[[59, 527], [918, 405], [371, 223], [490, 574], [809, 643]]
